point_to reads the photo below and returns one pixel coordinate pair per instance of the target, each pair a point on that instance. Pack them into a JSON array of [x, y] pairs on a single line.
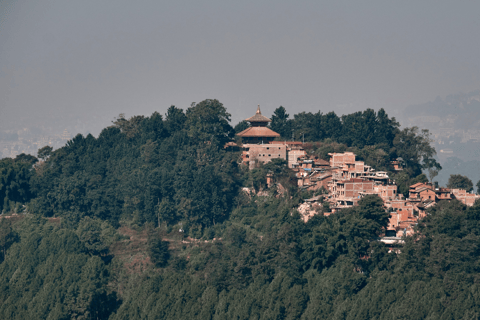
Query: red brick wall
[[352, 189]]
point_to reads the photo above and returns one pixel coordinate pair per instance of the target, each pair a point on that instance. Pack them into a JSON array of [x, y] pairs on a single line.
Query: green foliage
[[7, 236], [457, 181], [356, 130], [373, 136], [96, 235], [242, 125], [47, 275], [208, 122], [256, 258], [15, 187], [280, 122], [144, 169], [158, 250], [44, 153], [129, 127], [174, 120], [415, 149], [343, 272]]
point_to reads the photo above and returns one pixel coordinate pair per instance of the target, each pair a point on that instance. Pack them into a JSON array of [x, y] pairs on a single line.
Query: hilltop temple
[[259, 145], [258, 131]]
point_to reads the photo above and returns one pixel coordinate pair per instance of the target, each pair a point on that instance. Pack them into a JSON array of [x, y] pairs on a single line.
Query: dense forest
[[148, 221]]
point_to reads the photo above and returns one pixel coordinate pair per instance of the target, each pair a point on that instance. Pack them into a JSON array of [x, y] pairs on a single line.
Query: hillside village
[[344, 179], [153, 210]]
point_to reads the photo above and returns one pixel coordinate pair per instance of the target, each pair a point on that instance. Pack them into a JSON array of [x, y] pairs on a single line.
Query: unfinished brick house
[[337, 160], [400, 204], [387, 191], [295, 151], [312, 172], [349, 180], [401, 223], [426, 193], [443, 194], [353, 188], [315, 180], [352, 180], [421, 197], [465, 197]]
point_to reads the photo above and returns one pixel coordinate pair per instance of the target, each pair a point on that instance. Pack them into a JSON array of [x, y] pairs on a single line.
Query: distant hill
[[460, 111], [455, 126]]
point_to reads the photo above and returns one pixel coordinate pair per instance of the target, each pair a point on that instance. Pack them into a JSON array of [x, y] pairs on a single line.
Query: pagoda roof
[[258, 132], [258, 117]]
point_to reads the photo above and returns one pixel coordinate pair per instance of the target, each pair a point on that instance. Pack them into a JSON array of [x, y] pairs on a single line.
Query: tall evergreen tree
[[280, 123]]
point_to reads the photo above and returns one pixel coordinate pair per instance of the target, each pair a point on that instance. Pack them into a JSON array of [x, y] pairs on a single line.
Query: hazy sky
[[106, 57]]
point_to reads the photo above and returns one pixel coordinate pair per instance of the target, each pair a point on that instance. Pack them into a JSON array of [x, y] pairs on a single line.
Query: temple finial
[[258, 110]]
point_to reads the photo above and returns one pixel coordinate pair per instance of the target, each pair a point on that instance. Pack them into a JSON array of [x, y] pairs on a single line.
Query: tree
[[89, 231], [306, 126], [15, 177], [385, 128], [26, 158], [174, 119], [457, 181], [7, 236], [45, 152], [431, 163], [208, 122], [478, 187], [371, 207], [415, 149], [242, 125], [432, 173], [279, 122], [158, 251], [331, 125]]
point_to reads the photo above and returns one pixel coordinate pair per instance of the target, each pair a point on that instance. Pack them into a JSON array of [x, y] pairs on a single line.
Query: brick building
[[465, 197]]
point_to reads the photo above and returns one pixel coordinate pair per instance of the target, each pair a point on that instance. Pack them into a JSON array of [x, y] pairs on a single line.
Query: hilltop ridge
[[122, 210]]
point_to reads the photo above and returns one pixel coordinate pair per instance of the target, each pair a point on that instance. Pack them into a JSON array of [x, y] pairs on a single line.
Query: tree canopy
[[149, 220], [457, 181]]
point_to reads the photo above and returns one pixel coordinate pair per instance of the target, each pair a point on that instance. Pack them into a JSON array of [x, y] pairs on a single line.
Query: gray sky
[[101, 58]]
